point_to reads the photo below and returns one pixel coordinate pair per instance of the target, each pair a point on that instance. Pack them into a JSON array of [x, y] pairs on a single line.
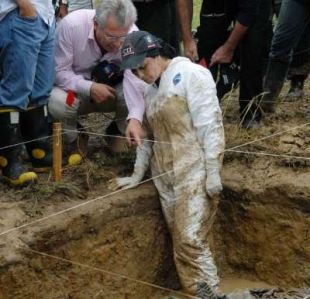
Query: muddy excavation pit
[[77, 240], [111, 247]]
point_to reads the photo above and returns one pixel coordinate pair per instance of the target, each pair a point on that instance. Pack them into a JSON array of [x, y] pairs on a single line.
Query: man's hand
[[134, 132], [190, 49], [223, 54], [101, 92], [26, 9]]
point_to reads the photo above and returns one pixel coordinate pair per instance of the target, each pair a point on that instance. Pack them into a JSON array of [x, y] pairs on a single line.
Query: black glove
[[107, 73]]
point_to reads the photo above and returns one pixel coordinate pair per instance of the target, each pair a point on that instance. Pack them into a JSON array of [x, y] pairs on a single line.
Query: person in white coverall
[[185, 120]]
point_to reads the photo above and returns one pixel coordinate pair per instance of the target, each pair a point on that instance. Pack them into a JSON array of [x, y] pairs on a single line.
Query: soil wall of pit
[[261, 232]]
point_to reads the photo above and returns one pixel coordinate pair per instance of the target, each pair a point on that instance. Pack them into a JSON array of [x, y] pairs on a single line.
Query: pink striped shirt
[[77, 53]]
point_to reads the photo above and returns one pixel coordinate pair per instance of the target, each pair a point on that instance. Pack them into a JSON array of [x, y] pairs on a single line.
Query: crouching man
[[85, 38]]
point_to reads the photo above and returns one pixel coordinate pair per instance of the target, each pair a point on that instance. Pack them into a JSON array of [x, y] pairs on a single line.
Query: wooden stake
[[57, 151]]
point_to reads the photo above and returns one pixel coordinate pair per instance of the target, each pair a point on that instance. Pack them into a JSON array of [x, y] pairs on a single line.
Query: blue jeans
[[26, 61]]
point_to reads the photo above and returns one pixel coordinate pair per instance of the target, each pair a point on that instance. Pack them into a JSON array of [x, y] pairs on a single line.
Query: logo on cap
[[128, 51], [150, 41]]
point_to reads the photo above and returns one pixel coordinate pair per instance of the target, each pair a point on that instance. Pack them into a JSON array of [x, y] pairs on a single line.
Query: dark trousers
[[251, 54], [159, 18], [215, 19], [300, 64], [293, 20]]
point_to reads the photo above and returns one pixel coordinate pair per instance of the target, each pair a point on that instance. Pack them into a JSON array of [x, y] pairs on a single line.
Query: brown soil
[[261, 232]]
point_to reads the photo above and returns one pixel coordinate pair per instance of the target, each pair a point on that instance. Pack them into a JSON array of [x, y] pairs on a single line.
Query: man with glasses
[[85, 38]]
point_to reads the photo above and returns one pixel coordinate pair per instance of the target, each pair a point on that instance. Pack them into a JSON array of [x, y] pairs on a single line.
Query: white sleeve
[[143, 156], [206, 115]]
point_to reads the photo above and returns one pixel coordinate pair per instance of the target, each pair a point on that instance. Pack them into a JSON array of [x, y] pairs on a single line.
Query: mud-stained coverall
[[184, 116]]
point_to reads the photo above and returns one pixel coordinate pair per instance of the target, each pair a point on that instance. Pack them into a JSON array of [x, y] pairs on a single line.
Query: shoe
[[250, 123], [273, 82], [35, 130], [267, 105], [205, 291], [13, 170], [296, 90]]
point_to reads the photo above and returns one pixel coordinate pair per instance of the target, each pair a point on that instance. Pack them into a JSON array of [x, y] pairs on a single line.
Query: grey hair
[[123, 11]]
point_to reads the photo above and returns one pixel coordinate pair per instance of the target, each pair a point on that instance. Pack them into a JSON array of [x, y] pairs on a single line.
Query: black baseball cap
[[136, 47]]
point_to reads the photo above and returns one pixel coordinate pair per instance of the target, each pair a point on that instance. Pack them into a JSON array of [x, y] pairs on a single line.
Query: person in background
[[185, 121], [250, 20], [66, 6], [61, 8], [81, 4], [27, 30], [289, 29], [159, 18], [300, 65]]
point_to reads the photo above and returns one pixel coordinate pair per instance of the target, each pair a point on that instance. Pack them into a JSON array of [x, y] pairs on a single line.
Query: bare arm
[[26, 8], [224, 54], [134, 132], [185, 12]]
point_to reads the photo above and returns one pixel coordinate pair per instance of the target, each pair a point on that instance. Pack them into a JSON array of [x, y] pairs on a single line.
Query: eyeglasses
[[114, 38]]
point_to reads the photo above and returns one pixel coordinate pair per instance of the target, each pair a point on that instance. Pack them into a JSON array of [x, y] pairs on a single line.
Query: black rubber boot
[[34, 125], [273, 82], [13, 170], [297, 88]]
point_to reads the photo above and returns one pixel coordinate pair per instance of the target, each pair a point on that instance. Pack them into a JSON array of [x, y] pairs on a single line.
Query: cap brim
[[133, 61]]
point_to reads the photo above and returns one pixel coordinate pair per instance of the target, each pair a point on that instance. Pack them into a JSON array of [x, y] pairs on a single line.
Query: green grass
[[197, 5]]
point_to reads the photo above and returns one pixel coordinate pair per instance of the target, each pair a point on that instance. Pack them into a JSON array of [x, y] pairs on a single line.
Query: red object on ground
[[70, 98]]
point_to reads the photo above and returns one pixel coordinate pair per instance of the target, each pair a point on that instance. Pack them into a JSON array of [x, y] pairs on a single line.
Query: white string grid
[[118, 191], [115, 192]]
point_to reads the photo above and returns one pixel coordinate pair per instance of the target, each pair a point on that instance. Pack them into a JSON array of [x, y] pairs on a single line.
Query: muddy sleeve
[[143, 157]]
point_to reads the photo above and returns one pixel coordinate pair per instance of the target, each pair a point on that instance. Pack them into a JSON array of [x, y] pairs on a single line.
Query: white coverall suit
[[184, 116]]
